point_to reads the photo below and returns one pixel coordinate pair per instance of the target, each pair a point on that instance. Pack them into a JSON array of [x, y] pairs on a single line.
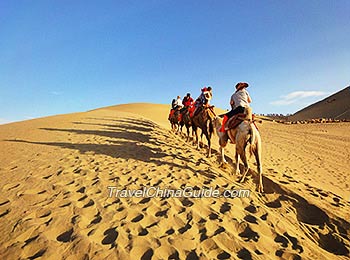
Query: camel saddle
[[235, 120]]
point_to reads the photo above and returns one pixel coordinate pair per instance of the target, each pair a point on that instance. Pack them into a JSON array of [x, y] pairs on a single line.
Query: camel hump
[[249, 113]]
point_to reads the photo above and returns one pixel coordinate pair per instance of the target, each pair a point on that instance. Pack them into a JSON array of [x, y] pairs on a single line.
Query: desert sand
[[54, 200], [336, 106]]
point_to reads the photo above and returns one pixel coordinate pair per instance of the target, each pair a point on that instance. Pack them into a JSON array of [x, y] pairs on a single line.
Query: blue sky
[[69, 56]]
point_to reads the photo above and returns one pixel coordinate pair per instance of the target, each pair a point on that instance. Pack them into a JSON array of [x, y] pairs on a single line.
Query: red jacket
[[187, 101]]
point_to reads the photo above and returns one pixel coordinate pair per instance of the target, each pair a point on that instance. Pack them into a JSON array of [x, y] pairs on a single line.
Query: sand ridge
[[336, 106], [54, 198]]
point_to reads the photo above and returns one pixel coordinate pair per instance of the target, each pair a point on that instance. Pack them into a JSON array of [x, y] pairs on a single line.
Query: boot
[[223, 124]]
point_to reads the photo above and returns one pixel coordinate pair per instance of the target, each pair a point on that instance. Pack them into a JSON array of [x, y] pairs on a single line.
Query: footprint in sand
[[249, 234], [70, 183], [66, 204], [186, 202], [143, 232], [42, 213], [294, 241], [137, 218], [213, 216], [219, 231], [66, 236], [203, 233], [251, 209], [264, 217], [281, 240], [75, 219], [170, 231], [224, 255], [251, 219], [110, 237], [89, 204], [83, 198], [38, 254], [184, 228], [162, 213], [47, 177], [29, 240], [244, 254], [192, 256], [145, 200], [11, 186], [147, 255], [225, 207], [96, 220], [81, 190]]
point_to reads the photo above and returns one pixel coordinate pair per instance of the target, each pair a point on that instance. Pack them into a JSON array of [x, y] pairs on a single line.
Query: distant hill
[[336, 106]]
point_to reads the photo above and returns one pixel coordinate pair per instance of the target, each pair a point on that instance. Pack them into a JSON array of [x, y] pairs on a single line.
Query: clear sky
[[68, 56]]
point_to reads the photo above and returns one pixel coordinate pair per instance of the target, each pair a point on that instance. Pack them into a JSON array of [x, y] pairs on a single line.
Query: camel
[[204, 120], [245, 133], [174, 121], [186, 121]]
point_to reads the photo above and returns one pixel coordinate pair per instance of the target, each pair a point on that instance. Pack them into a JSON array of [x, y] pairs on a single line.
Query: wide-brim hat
[[242, 85]]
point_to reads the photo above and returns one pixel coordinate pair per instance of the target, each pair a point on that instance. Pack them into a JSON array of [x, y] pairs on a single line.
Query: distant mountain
[[336, 106]]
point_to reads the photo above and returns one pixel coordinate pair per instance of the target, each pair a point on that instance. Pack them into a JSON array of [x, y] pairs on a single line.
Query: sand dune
[[336, 106], [55, 174]]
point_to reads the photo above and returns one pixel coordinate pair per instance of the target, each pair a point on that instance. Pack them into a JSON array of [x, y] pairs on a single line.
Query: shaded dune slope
[[336, 106]]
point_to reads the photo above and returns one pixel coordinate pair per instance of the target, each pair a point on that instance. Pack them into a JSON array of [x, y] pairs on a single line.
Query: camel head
[[217, 122]]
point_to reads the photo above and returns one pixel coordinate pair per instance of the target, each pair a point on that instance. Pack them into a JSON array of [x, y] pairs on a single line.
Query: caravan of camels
[[237, 126]]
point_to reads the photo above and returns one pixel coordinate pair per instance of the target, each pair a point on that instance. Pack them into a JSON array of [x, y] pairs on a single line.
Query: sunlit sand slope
[[55, 174]]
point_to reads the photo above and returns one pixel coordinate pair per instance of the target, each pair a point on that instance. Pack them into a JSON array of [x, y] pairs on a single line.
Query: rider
[[208, 95], [178, 103], [175, 104], [203, 99], [239, 100], [188, 100]]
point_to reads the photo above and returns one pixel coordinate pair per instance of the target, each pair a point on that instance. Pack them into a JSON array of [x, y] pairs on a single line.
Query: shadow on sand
[[127, 139]]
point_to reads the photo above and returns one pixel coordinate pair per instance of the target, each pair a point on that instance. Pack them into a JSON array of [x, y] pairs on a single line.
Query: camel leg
[[257, 153], [193, 135], [208, 135], [246, 166], [237, 163], [222, 153], [209, 145], [197, 138], [188, 133]]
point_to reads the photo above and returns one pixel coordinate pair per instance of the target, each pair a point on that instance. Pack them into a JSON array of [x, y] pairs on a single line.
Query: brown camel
[[186, 121], [203, 119], [175, 121]]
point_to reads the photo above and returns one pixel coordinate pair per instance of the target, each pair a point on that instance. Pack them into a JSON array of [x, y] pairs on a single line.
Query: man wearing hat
[[239, 100]]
